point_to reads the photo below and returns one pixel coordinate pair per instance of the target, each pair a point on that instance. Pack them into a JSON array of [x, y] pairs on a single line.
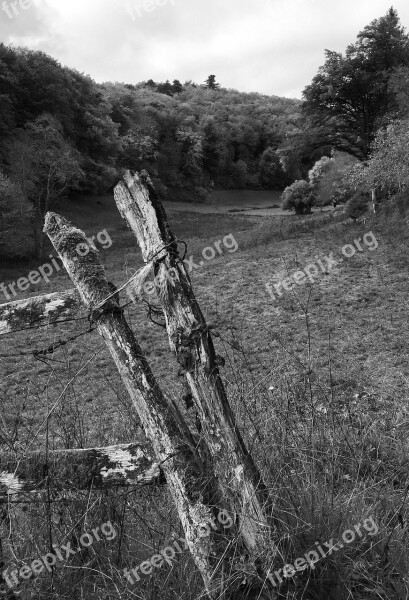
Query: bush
[[299, 197], [329, 178], [357, 205], [322, 166]]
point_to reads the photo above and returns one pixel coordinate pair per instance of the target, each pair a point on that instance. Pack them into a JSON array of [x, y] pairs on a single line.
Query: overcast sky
[[267, 46]]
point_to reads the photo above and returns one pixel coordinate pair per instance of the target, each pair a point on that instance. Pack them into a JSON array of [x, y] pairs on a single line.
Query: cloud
[[24, 22], [270, 46]]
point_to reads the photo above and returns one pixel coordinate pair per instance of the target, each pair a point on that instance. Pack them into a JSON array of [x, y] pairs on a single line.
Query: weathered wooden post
[[374, 200], [190, 339], [194, 491]]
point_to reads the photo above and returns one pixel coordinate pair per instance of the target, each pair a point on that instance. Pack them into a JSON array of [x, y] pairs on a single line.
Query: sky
[[272, 47]]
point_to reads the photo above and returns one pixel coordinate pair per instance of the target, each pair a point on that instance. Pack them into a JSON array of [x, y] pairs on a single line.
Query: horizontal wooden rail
[[40, 310], [59, 306], [96, 468]]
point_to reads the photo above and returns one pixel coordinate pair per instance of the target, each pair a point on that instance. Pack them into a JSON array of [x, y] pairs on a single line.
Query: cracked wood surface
[[90, 468]]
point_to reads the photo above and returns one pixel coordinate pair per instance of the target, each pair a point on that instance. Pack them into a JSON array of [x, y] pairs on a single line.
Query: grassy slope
[[330, 434]]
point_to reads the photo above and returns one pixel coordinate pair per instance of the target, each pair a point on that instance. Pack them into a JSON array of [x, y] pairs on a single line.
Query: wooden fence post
[[194, 492], [374, 199], [190, 339]]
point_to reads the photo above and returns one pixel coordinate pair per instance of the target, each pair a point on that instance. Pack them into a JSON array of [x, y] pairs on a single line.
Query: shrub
[[328, 178], [299, 197], [357, 205]]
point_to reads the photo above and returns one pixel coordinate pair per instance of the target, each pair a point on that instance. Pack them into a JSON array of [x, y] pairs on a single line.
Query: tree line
[[62, 133]]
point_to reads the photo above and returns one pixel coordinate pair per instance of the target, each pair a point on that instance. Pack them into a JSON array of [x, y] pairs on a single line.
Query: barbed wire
[[150, 263], [50, 349], [98, 311]]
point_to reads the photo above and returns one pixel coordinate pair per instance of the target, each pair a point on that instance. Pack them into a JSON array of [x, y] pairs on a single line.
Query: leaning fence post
[[190, 339], [193, 490]]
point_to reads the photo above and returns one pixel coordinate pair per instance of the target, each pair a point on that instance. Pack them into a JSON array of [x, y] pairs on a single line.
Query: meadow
[[318, 379]]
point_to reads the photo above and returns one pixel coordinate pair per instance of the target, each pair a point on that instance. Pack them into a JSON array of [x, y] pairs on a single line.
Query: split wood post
[[190, 339], [192, 490]]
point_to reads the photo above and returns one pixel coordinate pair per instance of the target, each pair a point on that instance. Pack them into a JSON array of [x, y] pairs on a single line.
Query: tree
[[165, 88], [191, 151], [177, 87], [271, 173], [214, 146], [45, 166], [299, 197], [351, 95], [239, 174], [400, 85], [301, 148], [139, 146], [211, 84], [15, 219], [387, 169]]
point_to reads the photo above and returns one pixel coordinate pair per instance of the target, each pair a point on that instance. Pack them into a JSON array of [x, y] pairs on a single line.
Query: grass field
[[318, 379]]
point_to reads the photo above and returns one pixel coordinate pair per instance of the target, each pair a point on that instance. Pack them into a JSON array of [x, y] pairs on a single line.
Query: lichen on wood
[[39, 310], [91, 468]]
